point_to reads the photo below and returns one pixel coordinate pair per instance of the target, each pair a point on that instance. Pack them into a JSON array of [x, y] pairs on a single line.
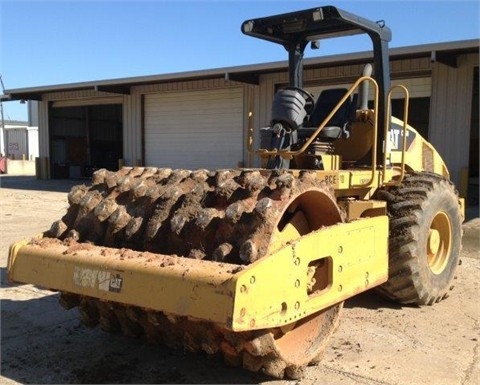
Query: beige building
[[201, 119]]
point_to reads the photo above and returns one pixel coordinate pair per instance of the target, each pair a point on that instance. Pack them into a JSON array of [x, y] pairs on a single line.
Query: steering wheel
[[309, 98]]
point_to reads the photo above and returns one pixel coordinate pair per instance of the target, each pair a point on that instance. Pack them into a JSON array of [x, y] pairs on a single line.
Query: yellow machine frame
[[237, 297]]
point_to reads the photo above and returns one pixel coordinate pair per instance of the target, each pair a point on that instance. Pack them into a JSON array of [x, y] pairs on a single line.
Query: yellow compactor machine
[[255, 264]]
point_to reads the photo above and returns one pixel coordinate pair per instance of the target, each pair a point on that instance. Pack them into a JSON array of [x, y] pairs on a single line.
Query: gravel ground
[[378, 342]]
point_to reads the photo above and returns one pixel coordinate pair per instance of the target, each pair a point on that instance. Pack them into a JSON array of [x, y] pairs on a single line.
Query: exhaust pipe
[[364, 87]]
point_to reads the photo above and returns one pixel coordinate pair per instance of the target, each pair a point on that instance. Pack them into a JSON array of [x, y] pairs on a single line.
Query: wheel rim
[[439, 243], [299, 343]]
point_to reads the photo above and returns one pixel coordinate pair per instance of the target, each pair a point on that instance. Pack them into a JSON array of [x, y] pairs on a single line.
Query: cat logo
[[396, 138], [97, 279], [116, 282]]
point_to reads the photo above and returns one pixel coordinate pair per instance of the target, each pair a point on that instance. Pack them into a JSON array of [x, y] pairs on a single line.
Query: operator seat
[[338, 124]]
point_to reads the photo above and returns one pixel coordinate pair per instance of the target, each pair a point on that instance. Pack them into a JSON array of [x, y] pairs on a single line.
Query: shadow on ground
[[34, 184], [371, 300], [43, 343]]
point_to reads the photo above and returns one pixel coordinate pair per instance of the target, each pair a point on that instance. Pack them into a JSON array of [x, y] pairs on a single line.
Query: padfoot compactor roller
[[255, 264]]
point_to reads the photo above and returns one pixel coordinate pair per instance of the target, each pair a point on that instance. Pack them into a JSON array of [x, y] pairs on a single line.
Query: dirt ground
[[378, 342]]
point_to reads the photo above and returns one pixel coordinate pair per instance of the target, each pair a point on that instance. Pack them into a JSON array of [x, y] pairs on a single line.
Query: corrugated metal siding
[[88, 101], [132, 129], [196, 129], [79, 97], [193, 85], [43, 133], [410, 67], [16, 143], [417, 87], [333, 74], [450, 114], [32, 106]]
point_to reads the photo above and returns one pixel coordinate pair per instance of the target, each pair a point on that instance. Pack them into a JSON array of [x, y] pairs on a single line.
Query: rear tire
[[425, 239]]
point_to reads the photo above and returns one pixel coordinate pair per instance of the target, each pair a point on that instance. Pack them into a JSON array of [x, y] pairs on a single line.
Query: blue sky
[[56, 42]]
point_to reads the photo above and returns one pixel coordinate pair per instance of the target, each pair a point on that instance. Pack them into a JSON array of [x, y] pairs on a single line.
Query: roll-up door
[[194, 129]]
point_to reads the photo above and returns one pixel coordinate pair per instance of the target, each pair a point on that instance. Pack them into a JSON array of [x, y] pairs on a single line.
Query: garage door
[[195, 129]]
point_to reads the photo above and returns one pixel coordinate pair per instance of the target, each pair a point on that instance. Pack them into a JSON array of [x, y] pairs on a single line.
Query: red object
[[3, 165]]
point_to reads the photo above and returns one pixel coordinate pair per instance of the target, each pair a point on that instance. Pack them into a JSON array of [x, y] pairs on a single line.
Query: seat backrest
[[326, 102]]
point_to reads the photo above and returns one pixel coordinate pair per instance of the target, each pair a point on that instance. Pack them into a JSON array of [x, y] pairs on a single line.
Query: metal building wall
[[132, 132], [21, 142], [16, 144], [132, 111], [43, 171], [449, 112], [32, 106], [450, 115]]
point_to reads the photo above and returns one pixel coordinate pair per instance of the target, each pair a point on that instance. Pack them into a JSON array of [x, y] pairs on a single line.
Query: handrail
[[404, 135]]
